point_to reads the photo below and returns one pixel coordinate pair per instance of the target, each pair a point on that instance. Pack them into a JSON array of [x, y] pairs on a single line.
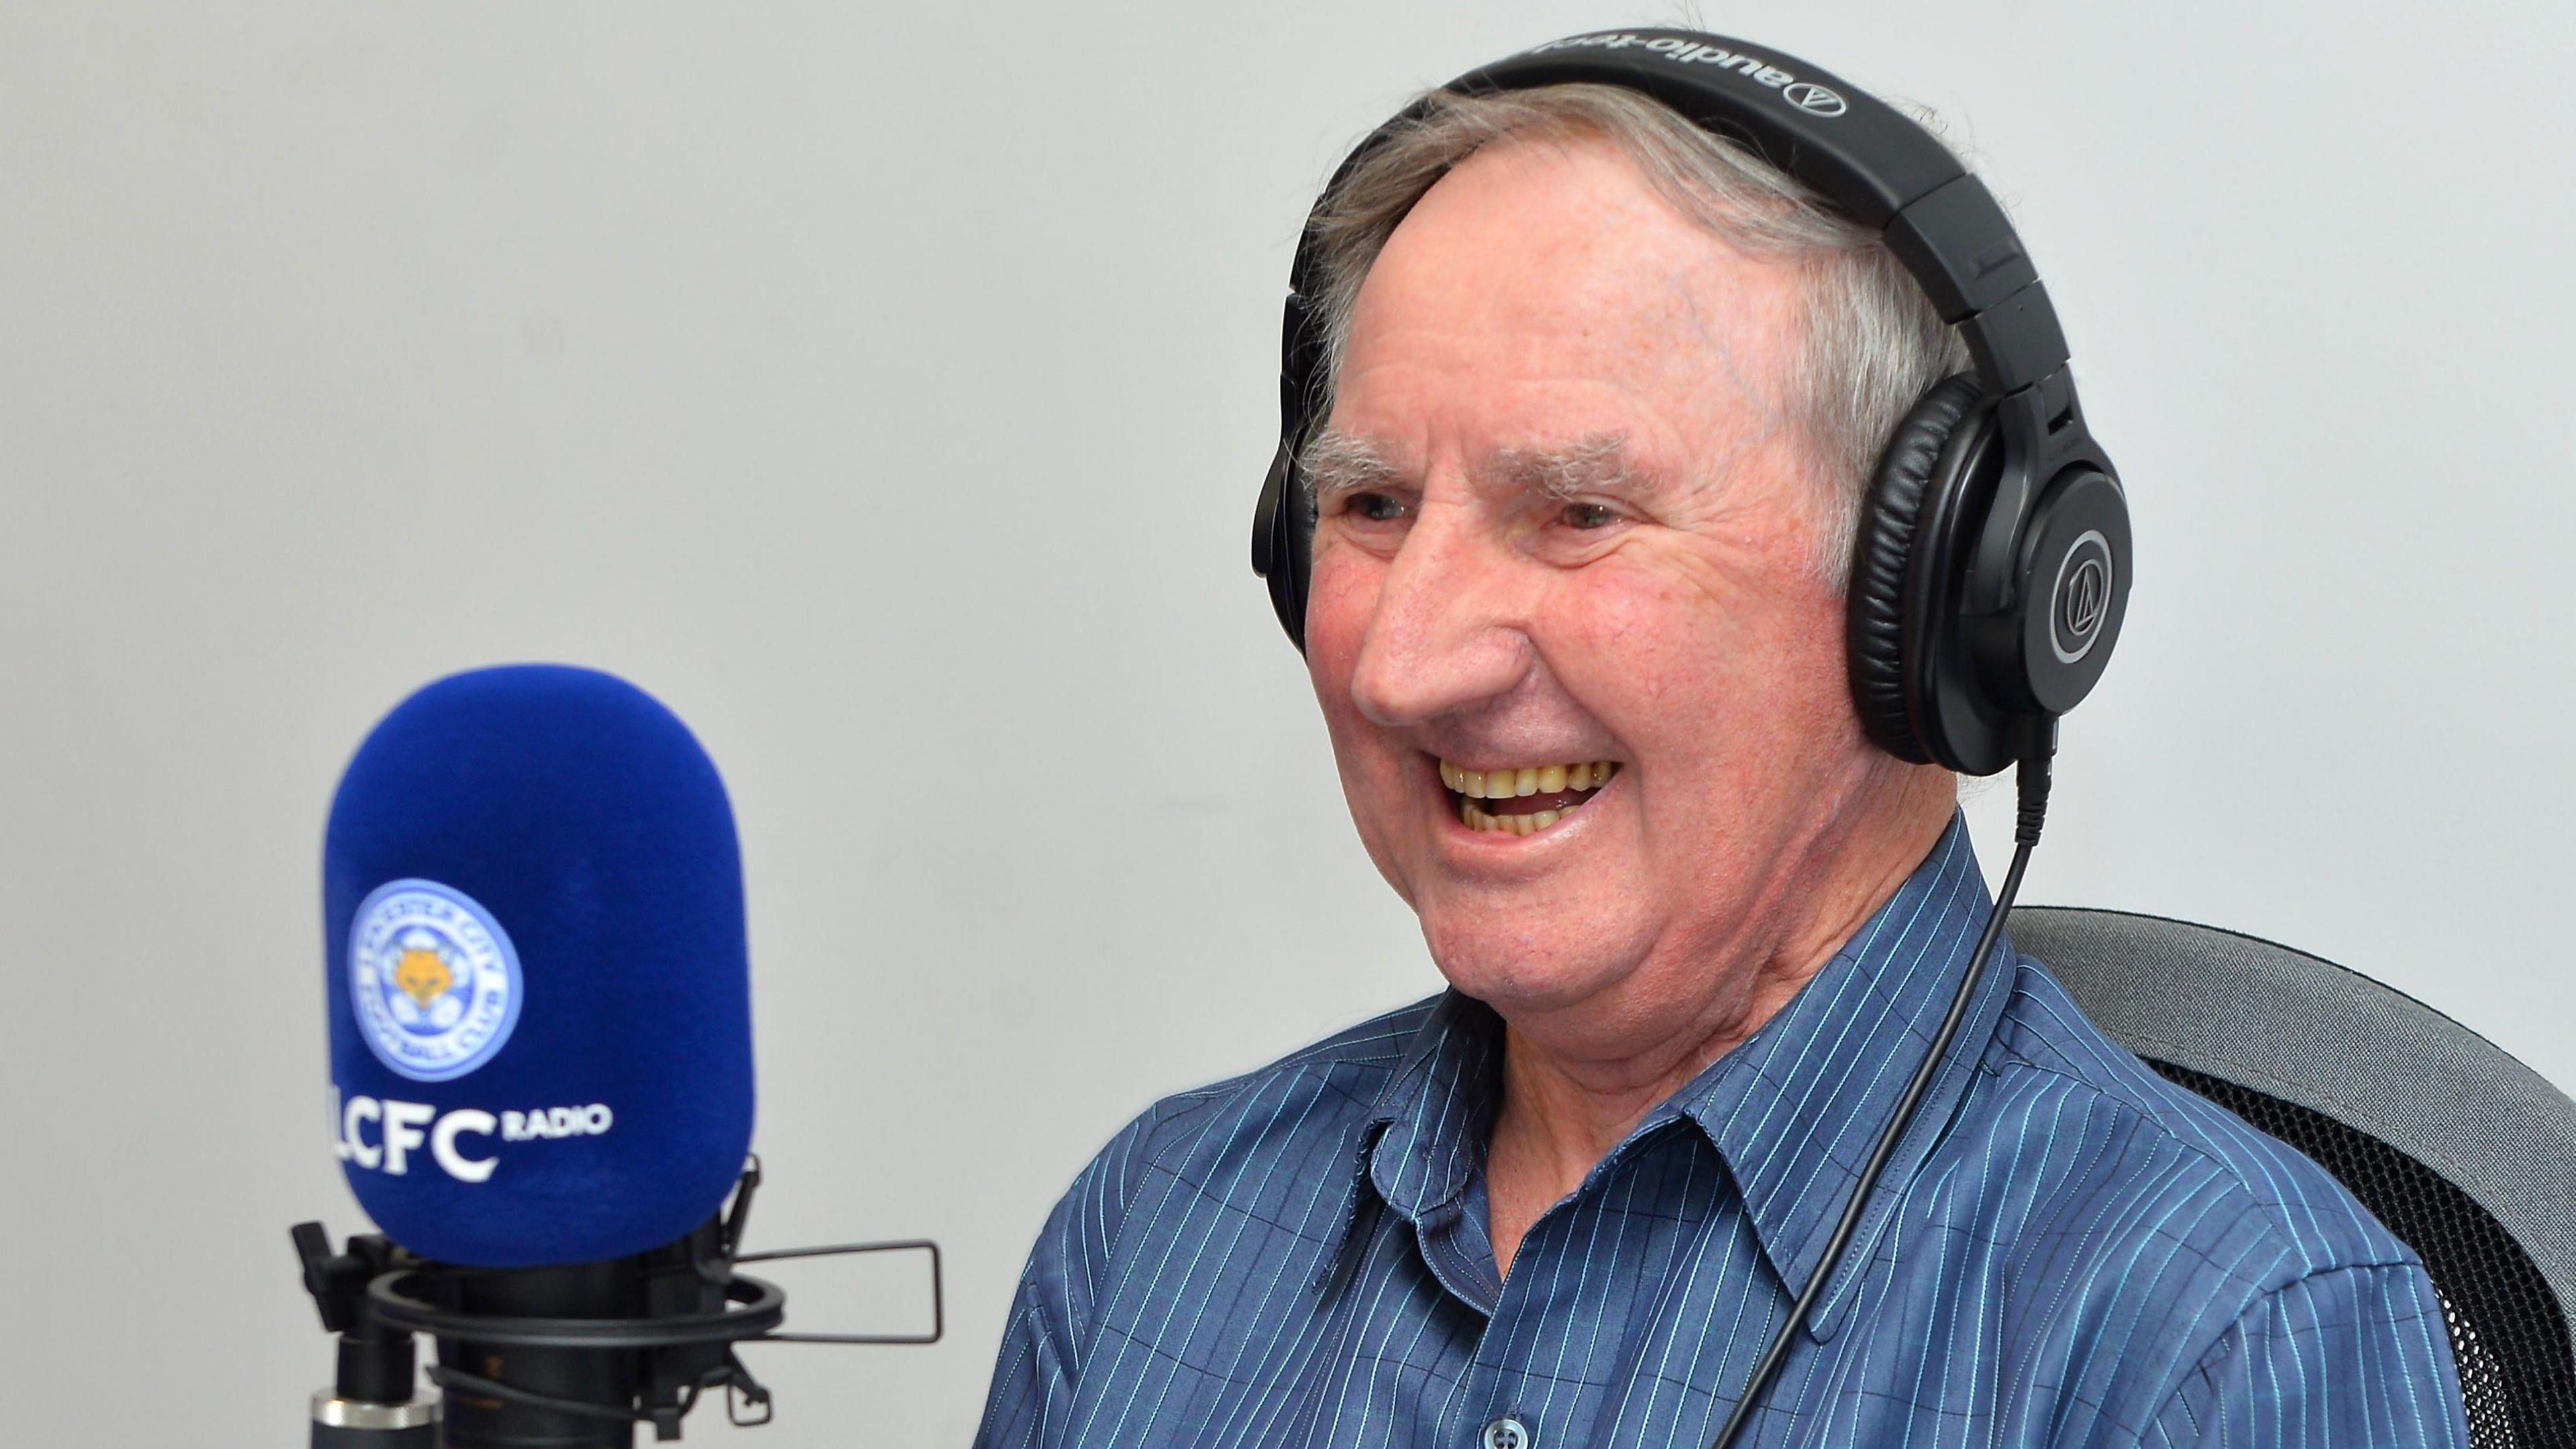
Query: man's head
[[1605, 395]]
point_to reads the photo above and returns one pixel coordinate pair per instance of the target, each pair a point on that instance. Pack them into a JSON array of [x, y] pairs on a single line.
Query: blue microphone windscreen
[[540, 997]]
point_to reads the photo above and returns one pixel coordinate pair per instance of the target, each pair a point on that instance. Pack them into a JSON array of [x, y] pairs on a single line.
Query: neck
[[1577, 1081]]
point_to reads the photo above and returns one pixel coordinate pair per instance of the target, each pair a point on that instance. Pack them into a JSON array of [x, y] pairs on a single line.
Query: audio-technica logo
[[1807, 96], [2083, 598], [1814, 99], [2088, 592]]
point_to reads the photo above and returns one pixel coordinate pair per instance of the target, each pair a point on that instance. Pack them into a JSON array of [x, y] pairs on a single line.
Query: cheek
[[1341, 598], [1696, 658], [1638, 640], [1341, 593]]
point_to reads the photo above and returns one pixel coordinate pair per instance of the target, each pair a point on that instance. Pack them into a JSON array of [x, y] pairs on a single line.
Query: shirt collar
[[1432, 1119], [1794, 1110]]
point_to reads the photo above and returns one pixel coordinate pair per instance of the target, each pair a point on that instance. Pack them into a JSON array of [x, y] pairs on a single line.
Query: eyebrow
[[1598, 463], [1335, 463]]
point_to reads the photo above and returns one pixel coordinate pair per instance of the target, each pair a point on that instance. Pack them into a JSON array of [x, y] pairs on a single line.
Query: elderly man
[[1605, 391]]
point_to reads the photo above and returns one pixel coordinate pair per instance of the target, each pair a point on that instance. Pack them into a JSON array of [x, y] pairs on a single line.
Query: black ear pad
[[1277, 546], [1283, 521], [1882, 554]]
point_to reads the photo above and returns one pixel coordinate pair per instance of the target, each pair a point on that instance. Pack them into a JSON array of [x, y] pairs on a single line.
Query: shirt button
[[1508, 1433]]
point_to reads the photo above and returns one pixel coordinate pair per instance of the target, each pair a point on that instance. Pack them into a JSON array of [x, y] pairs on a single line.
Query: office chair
[[2461, 1150]]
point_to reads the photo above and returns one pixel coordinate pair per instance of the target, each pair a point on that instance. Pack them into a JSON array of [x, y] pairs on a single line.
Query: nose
[[1447, 634]]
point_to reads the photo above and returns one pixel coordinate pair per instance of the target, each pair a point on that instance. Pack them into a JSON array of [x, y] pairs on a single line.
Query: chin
[[1510, 969]]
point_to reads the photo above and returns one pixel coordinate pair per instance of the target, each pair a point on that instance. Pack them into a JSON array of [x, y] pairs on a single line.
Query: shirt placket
[[1507, 1400]]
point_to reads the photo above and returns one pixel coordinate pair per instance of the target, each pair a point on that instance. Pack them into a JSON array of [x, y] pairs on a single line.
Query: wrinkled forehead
[[1555, 267]]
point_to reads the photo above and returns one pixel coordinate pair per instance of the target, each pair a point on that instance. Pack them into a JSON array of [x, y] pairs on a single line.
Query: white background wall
[[886, 388]]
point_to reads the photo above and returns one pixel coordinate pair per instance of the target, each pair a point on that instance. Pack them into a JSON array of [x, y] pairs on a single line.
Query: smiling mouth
[[1523, 800]]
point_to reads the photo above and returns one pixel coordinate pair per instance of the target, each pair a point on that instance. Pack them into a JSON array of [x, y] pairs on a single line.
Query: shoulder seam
[[2234, 1173], [2264, 1298]]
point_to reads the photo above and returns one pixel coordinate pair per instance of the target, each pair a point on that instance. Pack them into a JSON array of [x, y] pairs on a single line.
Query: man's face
[[1565, 518]]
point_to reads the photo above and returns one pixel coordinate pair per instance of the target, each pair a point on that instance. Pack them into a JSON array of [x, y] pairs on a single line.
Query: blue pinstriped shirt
[[2067, 1250]]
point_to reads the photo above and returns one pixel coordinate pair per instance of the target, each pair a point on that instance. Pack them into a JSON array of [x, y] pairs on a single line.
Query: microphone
[[541, 1072], [539, 990]]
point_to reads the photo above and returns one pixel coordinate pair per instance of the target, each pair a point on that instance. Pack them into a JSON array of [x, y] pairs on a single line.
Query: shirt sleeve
[[1034, 1377], [1032, 1386], [2349, 1358]]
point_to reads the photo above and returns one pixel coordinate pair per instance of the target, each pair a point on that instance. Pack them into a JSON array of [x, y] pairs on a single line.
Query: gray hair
[[1873, 341]]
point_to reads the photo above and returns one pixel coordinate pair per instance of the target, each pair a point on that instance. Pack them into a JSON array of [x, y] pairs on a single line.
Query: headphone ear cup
[[1883, 558], [1283, 521], [1277, 548]]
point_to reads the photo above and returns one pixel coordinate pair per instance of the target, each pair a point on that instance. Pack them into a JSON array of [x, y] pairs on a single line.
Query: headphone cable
[[2030, 783]]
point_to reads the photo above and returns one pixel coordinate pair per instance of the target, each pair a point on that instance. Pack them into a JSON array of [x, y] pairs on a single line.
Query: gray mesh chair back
[[2461, 1150]]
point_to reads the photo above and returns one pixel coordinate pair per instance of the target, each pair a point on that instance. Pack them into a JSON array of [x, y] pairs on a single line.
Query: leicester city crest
[[432, 978]]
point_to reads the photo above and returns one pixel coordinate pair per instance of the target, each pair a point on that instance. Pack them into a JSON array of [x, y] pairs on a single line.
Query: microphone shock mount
[[564, 1357]]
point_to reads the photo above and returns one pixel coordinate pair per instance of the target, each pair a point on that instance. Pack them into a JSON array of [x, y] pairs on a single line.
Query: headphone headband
[[1864, 155]]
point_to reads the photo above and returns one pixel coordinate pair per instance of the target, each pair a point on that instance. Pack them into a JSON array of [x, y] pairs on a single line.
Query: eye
[[1587, 515], [1375, 507]]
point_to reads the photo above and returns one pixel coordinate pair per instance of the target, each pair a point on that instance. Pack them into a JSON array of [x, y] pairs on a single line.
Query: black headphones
[[1991, 567]]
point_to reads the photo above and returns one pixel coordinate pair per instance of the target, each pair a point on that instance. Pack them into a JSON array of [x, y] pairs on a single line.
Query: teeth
[[1478, 785], [1527, 779]]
